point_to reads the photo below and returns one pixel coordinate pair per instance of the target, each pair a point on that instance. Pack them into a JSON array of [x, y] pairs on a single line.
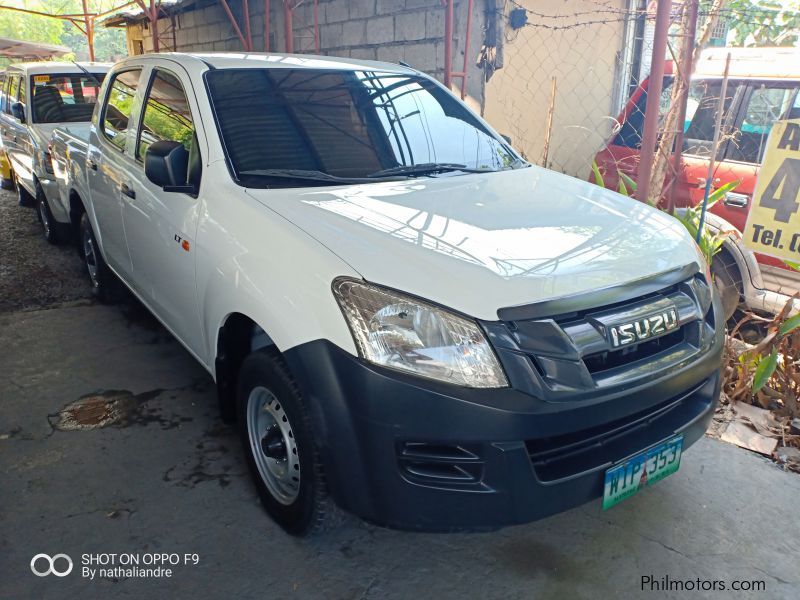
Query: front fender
[[734, 244], [269, 271]]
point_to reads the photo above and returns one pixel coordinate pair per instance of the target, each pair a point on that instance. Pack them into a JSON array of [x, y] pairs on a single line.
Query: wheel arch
[[236, 337]]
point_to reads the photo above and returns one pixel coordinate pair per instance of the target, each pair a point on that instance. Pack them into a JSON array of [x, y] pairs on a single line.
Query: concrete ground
[[168, 477]]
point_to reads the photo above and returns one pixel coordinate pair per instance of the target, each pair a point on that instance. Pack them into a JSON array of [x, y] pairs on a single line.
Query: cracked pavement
[[169, 477]]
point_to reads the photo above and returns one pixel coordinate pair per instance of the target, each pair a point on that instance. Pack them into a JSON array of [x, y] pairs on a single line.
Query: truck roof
[[261, 60], [750, 63], [35, 68]]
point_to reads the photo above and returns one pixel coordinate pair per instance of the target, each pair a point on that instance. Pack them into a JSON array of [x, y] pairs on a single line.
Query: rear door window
[[119, 107]]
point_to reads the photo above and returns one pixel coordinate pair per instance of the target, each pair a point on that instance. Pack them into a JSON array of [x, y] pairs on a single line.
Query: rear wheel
[[54, 232], [275, 430], [101, 278], [24, 197]]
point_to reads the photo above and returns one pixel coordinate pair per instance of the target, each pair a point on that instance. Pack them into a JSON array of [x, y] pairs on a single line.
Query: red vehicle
[[762, 88]]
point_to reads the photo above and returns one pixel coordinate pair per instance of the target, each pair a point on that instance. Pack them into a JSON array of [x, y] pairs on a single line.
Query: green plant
[[710, 242]]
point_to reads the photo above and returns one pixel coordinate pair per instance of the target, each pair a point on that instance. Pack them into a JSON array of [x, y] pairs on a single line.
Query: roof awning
[[20, 49]]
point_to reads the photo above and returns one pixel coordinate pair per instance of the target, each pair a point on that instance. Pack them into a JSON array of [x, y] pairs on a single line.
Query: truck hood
[[481, 242]]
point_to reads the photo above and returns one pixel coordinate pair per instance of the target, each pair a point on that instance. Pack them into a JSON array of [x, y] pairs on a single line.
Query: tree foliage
[[763, 22], [109, 43]]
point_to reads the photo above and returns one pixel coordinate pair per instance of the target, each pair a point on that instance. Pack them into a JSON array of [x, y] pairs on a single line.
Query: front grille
[[602, 361], [558, 357]]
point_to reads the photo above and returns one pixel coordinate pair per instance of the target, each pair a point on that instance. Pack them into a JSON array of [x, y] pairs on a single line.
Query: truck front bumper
[[416, 454]]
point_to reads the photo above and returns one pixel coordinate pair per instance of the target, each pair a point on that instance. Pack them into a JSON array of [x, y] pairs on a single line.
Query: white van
[[37, 98]]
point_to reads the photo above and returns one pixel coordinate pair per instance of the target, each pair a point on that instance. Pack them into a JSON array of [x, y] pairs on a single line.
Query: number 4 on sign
[[782, 190]]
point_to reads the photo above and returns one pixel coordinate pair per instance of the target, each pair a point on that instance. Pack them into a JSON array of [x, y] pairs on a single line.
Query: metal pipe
[[650, 133], [686, 72], [267, 25], [247, 34], [234, 24], [89, 24], [448, 43], [154, 26], [287, 26], [316, 26], [466, 50]]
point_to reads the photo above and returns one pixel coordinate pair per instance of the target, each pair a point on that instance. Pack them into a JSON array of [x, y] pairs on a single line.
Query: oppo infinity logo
[[50, 561]]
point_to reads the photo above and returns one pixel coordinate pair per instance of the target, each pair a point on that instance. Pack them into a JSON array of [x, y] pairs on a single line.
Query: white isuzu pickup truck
[[406, 319]]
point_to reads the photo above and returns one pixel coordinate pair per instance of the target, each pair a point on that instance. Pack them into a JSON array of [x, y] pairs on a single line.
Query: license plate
[[644, 469]]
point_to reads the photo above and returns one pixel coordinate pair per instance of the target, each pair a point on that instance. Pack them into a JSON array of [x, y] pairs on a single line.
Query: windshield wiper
[[425, 169], [306, 174], [88, 74]]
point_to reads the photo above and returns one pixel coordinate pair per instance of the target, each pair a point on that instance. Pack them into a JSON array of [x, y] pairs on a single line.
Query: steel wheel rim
[[90, 255], [273, 445], [45, 220]]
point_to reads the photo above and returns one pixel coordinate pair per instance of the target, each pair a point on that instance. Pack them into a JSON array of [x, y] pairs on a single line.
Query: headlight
[[403, 333]]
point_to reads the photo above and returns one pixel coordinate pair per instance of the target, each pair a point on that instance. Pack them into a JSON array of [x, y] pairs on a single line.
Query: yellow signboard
[[773, 223], [37, 79]]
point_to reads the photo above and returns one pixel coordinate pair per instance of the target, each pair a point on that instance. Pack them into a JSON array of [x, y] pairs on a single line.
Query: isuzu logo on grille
[[644, 329]]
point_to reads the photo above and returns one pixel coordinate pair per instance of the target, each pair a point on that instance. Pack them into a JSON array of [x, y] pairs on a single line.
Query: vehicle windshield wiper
[[306, 174], [88, 74], [425, 169]]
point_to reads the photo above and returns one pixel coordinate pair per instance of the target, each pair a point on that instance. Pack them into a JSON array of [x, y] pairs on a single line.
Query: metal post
[[650, 133], [466, 51], [267, 24], [448, 43], [287, 26], [247, 34], [234, 24], [316, 26], [687, 67], [154, 26], [89, 23]]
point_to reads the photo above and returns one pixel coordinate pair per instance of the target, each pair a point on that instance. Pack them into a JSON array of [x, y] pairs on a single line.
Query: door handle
[[92, 164], [735, 200], [127, 191]]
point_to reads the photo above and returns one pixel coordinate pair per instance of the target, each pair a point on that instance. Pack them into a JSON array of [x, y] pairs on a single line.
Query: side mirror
[[166, 164], [507, 138], [18, 111]]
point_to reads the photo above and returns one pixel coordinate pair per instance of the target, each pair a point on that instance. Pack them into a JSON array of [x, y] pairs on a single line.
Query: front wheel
[[100, 276], [275, 431]]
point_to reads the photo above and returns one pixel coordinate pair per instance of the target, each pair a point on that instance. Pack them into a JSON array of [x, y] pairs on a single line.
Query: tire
[[54, 232], [727, 280], [24, 197], [102, 280], [275, 430]]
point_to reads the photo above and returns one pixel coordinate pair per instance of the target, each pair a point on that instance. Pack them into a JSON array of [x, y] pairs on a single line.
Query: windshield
[[300, 127], [64, 98]]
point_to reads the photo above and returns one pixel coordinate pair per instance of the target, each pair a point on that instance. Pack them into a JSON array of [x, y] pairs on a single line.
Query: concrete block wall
[[411, 31]]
